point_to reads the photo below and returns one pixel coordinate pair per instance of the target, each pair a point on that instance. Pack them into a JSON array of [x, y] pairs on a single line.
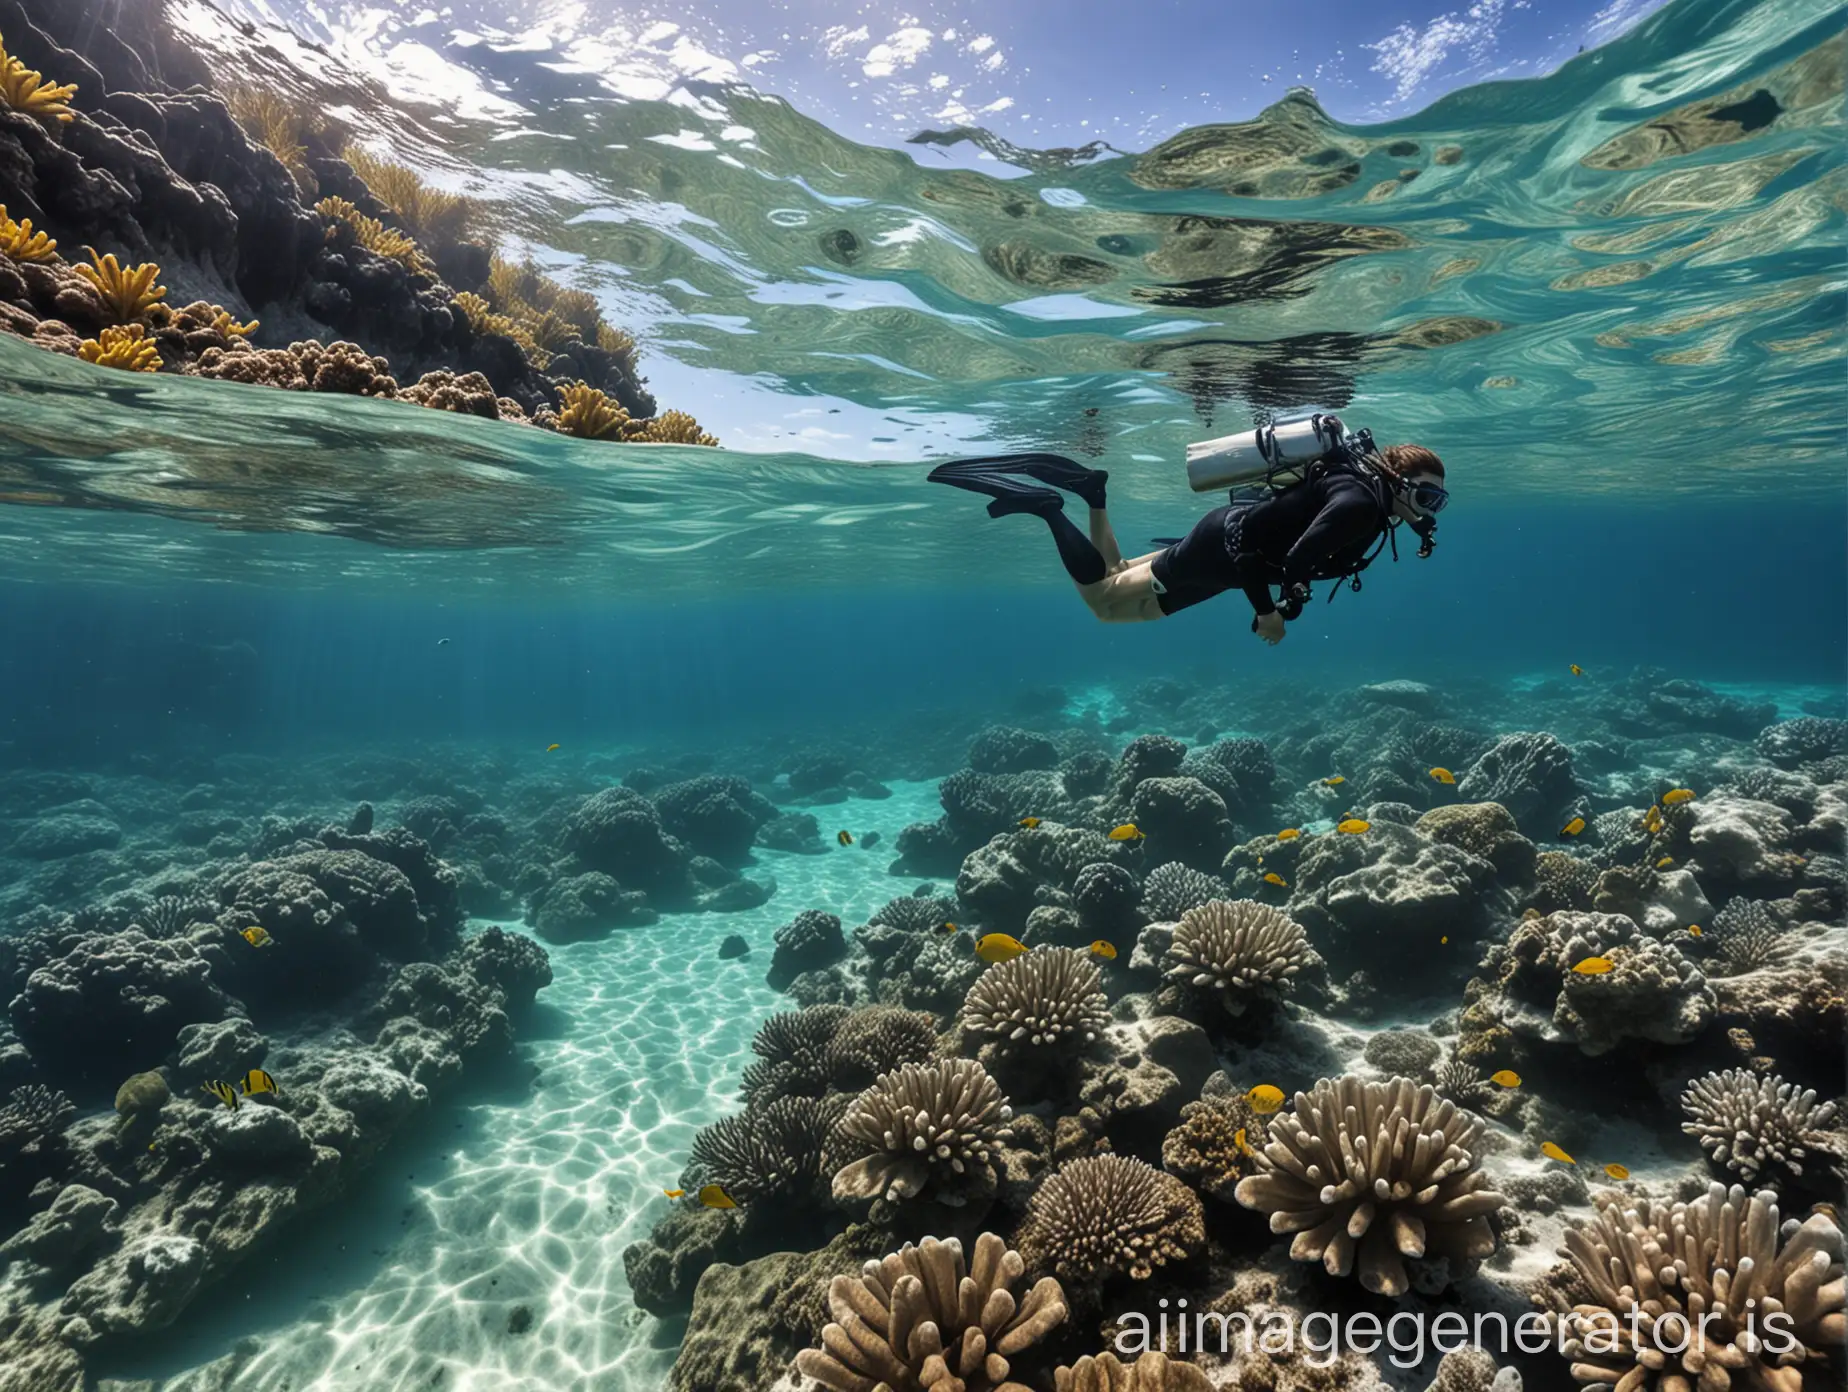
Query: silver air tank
[[1270, 452]]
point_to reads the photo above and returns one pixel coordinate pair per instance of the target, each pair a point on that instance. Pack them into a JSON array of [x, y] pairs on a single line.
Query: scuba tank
[[1275, 454]]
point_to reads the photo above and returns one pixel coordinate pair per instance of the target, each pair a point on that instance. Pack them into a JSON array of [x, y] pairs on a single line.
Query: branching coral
[[375, 236], [1052, 997], [1674, 1297], [19, 241], [589, 414], [172, 914], [1172, 889], [127, 292], [1370, 1174], [1240, 949], [279, 127], [1748, 937], [428, 213], [1461, 1082], [1215, 1145], [792, 1053], [768, 1152], [1110, 1215], [923, 1122], [672, 428], [27, 91], [1748, 1123], [1153, 1372], [922, 1318], [876, 1040], [124, 346], [224, 322]]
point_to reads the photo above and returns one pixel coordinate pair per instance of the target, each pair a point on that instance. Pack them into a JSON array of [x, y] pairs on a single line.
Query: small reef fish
[[1665, 863], [1444, 776], [714, 1196], [1575, 669], [256, 1080], [1616, 1171], [1271, 877], [1674, 797], [256, 935], [1028, 822], [1244, 1146], [946, 927], [998, 947], [550, 747], [1265, 1099], [1334, 782], [1505, 1077], [1288, 834], [1107, 951], [844, 837], [1129, 831], [1652, 820], [1693, 930], [1354, 826], [1553, 1152], [1573, 827], [1595, 966], [223, 1091], [1444, 939], [675, 1193]]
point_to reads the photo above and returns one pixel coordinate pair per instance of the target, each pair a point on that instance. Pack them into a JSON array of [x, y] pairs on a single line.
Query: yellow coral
[[376, 237], [616, 342], [428, 212], [27, 91], [671, 428], [19, 241], [226, 323], [124, 347], [127, 292], [277, 126], [589, 414], [550, 331]]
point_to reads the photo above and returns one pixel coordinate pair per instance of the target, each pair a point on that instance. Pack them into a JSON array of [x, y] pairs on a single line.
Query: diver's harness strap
[[1357, 455]]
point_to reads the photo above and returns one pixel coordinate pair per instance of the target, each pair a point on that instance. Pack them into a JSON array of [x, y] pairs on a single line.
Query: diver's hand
[[1269, 627]]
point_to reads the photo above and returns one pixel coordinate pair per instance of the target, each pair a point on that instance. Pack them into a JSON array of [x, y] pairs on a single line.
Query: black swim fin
[[991, 475]]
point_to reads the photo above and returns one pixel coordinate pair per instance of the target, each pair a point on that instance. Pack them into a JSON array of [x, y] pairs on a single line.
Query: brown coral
[[124, 347], [922, 1318], [19, 241], [278, 127], [127, 292], [25, 90], [1374, 1173], [468, 394], [426, 212], [1153, 1372], [1110, 1215], [924, 1122], [1052, 997], [1242, 950], [672, 428], [1215, 1145], [375, 237], [589, 414]]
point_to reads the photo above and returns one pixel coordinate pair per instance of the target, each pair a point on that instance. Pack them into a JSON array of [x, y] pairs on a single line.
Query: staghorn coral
[[1110, 1215], [27, 91], [279, 127], [1172, 889], [792, 1053], [589, 414], [33, 1120], [550, 331], [877, 1040], [924, 1122], [619, 344], [1747, 937], [430, 214], [1050, 997], [1368, 1174], [1674, 1296], [1243, 950], [1204, 1149], [922, 1318], [672, 428], [19, 241], [375, 237], [224, 322], [768, 1152], [1461, 1082], [1748, 1123], [127, 292], [123, 346], [1154, 1371]]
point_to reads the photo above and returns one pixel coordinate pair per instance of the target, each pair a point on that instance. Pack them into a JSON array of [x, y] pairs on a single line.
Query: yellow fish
[[998, 947], [1100, 948], [1443, 775], [1333, 782], [1244, 1146], [1265, 1099], [1129, 831], [256, 1080], [714, 1196], [1652, 820], [1616, 1171], [1029, 822], [844, 837], [550, 747], [1693, 930], [223, 1091], [946, 927], [675, 1193], [1665, 863], [1353, 826], [256, 935], [1288, 834], [1674, 797], [1444, 939], [1553, 1152], [1271, 877], [1595, 966], [1573, 827], [1505, 1077], [1575, 669]]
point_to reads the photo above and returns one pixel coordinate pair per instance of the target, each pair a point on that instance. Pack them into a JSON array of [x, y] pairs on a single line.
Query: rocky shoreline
[[151, 223]]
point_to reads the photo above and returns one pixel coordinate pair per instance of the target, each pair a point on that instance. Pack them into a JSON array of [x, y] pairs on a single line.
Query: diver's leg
[[1083, 561], [1103, 537], [1126, 595]]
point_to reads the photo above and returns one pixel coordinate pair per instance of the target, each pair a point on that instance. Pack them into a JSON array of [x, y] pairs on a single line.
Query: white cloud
[[836, 42], [982, 44], [900, 50], [1617, 17], [1407, 57]]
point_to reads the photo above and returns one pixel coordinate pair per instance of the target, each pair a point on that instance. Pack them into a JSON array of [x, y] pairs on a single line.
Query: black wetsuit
[[1322, 528]]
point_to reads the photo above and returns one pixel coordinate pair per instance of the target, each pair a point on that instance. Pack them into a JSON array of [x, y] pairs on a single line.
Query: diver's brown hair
[[1406, 460]]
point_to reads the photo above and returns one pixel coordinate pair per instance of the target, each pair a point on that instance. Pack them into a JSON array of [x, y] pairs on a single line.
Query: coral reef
[[1152, 1372], [931, 1124], [1052, 997], [1751, 1124], [1215, 1145], [1242, 951], [1104, 1216], [1371, 1175]]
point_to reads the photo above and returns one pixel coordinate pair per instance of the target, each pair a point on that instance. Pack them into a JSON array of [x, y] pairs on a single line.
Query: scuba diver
[[1334, 501]]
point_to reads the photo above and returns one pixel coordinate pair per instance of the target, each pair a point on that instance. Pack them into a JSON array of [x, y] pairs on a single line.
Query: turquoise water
[[1611, 298]]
